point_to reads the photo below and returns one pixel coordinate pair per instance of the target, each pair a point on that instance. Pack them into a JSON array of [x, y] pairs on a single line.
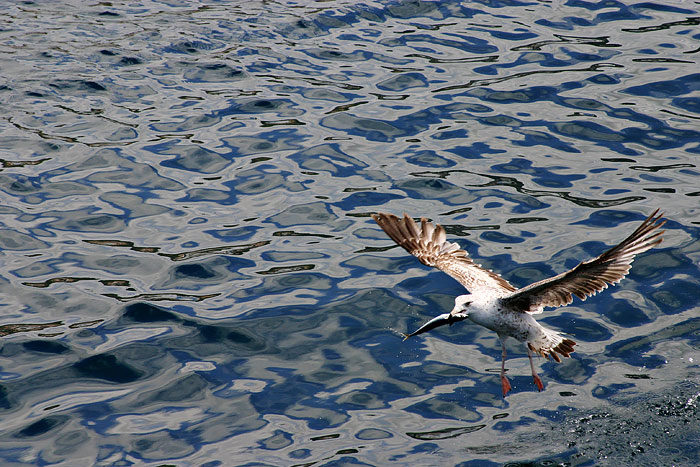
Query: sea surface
[[190, 276]]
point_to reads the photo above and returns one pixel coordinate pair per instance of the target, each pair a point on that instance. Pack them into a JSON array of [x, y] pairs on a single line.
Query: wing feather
[[592, 276], [429, 244]]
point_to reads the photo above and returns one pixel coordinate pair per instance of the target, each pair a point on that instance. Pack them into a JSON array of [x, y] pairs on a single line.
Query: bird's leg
[[537, 379], [505, 384]]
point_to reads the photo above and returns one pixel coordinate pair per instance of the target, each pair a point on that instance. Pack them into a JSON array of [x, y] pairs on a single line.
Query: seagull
[[495, 304]]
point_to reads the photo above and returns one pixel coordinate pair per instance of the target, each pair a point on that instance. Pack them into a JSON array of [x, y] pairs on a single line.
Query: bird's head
[[458, 313], [461, 309]]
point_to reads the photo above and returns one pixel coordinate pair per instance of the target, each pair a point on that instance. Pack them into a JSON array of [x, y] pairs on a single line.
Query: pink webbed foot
[[537, 379], [538, 382], [505, 384]]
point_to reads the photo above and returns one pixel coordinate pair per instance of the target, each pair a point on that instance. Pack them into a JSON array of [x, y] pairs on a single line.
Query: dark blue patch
[[42, 426], [46, 346], [108, 368]]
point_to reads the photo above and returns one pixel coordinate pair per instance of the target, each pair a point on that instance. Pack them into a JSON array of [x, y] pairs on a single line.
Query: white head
[[461, 308], [459, 312]]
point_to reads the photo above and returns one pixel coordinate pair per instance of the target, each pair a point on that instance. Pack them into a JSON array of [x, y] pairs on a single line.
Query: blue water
[[189, 274]]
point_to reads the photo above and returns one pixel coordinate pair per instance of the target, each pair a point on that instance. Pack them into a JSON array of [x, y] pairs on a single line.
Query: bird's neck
[[484, 314]]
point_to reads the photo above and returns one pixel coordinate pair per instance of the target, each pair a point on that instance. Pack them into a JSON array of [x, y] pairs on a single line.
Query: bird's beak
[[447, 318]]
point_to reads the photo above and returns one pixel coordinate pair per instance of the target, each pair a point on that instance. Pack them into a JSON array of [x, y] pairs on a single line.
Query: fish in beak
[[447, 318]]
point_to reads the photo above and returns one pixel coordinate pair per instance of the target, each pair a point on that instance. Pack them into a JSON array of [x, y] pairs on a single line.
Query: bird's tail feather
[[551, 343]]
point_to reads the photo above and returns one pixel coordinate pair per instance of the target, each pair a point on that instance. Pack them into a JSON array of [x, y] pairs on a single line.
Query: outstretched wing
[[428, 243], [589, 277]]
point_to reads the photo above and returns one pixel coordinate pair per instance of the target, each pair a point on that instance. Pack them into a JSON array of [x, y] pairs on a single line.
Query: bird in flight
[[495, 304]]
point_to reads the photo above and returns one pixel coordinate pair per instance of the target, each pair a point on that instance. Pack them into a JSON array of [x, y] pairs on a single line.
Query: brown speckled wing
[[589, 277], [428, 243]]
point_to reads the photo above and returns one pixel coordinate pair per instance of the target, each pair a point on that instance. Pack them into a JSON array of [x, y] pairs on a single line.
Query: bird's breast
[[504, 322]]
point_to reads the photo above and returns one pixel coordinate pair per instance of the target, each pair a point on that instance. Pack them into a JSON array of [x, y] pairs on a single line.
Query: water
[[189, 274]]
